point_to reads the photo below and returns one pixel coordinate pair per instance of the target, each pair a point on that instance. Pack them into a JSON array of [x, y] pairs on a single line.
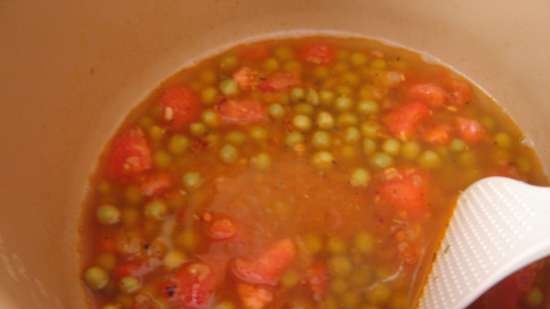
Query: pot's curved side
[[71, 70]]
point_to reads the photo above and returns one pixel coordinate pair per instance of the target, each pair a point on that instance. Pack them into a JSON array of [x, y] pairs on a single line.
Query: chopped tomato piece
[[242, 112], [180, 107], [318, 53], [246, 78], [256, 52], [428, 93], [254, 297], [191, 287], [156, 184], [128, 156], [403, 120], [221, 229], [280, 81], [460, 92], [404, 189], [268, 267], [137, 268], [317, 280], [439, 134], [470, 130]]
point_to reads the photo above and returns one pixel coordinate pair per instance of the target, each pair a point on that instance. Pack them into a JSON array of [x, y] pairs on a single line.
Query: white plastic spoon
[[499, 226]]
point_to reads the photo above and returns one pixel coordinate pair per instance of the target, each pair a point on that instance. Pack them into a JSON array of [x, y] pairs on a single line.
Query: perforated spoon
[[499, 226]]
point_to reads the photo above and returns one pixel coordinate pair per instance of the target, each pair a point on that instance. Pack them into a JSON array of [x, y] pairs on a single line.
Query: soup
[[295, 173]]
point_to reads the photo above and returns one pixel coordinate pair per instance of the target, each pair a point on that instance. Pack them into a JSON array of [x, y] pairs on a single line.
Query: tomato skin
[[156, 184], [438, 134], [255, 52], [471, 130], [404, 189], [221, 229], [129, 155], [403, 120], [428, 93], [136, 268], [242, 112], [280, 81], [318, 53], [268, 268], [246, 78], [180, 107], [317, 278], [191, 287]]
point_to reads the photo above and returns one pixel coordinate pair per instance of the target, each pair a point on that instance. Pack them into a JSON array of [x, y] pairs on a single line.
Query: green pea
[[174, 259], [323, 159], [313, 243], [352, 135], [467, 158], [156, 133], [208, 76], [429, 159], [370, 129], [228, 62], [96, 278], [229, 154], [488, 122], [350, 78], [162, 159], [381, 160], [129, 285], [343, 103], [312, 97], [410, 150], [209, 95], [302, 122], [258, 133], [294, 138], [229, 87], [457, 145], [297, 94], [367, 107], [535, 297], [261, 161], [360, 177], [326, 96], [338, 286], [271, 64], [106, 260], [347, 119], [192, 180], [226, 304], [178, 144], [363, 242], [391, 146], [284, 53], [378, 64], [304, 108], [290, 279], [340, 265], [277, 111], [235, 137], [321, 140], [156, 210], [187, 239], [369, 146], [336, 245], [108, 214], [210, 118], [358, 58], [503, 140], [197, 128], [325, 120], [321, 72]]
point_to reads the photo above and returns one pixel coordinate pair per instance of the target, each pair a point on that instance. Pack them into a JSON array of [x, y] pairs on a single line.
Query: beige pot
[[70, 71]]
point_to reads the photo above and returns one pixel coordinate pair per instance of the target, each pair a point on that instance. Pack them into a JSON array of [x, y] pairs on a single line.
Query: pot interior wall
[[70, 70]]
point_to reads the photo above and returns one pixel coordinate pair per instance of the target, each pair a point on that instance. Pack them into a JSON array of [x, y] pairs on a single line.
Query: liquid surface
[[302, 173]]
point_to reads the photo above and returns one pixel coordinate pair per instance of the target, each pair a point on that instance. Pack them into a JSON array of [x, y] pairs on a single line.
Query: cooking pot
[[71, 70]]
